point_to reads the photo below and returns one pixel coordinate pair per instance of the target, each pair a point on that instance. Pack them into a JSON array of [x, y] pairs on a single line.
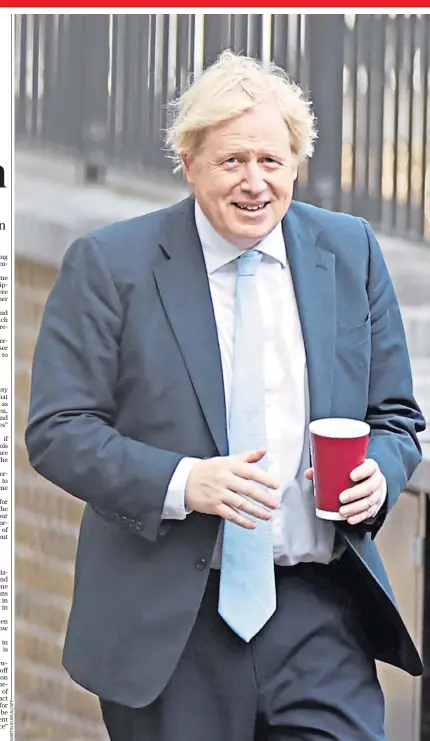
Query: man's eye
[[269, 160], [231, 161]]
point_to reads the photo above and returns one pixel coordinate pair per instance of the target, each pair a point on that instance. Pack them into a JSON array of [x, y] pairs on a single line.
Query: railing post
[[95, 102], [324, 46], [216, 36]]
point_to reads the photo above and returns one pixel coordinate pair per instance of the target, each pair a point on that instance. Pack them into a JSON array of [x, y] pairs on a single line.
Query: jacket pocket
[[351, 336]]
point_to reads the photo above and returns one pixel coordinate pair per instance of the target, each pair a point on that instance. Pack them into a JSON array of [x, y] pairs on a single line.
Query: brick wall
[[426, 649], [49, 706]]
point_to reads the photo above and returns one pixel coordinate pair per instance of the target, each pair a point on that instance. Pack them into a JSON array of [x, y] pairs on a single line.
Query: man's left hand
[[363, 500]]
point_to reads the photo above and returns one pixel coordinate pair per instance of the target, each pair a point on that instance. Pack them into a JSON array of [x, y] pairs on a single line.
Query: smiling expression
[[243, 175]]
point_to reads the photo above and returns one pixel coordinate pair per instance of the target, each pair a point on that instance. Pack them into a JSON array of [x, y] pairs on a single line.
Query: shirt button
[[201, 564]]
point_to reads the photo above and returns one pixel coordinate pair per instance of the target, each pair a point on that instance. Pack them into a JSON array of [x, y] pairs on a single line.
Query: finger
[[362, 517], [252, 456], [255, 473], [248, 507], [227, 513], [365, 489], [309, 473], [362, 506], [249, 489], [368, 468]]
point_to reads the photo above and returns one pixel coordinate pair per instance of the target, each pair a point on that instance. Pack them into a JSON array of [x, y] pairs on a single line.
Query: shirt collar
[[218, 251]]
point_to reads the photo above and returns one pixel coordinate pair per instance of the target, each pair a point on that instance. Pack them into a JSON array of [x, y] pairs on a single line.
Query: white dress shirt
[[298, 535]]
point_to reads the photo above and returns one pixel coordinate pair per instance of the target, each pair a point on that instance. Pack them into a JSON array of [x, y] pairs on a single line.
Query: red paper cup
[[338, 446]]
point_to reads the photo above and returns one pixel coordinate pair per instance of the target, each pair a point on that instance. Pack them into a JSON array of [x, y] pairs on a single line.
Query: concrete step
[[421, 375], [416, 320]]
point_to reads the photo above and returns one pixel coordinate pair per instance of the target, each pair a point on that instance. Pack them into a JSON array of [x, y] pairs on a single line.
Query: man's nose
[[253, 181]]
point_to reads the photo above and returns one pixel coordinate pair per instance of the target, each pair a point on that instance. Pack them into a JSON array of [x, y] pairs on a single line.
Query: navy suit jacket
[[127, 380]]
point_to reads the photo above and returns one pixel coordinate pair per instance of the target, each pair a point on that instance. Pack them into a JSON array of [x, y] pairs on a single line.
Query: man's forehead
[[247, 139]]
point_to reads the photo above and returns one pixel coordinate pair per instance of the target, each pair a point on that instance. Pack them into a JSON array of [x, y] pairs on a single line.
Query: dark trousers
[[309, 675]]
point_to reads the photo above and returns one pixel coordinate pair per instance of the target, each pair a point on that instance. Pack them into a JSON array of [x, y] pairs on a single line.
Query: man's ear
[[187, 167]]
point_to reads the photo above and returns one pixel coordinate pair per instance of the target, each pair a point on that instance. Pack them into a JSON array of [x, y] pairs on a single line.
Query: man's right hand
[[228, 486]]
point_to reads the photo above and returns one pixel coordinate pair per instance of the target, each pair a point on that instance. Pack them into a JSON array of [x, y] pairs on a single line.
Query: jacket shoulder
[[328, 221], [131, 245], [347, 237], [149, 225]]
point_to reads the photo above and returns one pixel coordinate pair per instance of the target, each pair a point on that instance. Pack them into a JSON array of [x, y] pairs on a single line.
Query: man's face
[[243, 175]]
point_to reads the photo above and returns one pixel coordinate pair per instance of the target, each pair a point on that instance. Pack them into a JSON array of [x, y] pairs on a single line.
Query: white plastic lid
[[339, 427]]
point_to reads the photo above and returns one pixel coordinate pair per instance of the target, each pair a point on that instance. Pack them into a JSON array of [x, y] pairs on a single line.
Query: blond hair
[[231, 86]]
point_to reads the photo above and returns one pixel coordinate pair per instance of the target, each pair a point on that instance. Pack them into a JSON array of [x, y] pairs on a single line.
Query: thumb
[[309, 474]]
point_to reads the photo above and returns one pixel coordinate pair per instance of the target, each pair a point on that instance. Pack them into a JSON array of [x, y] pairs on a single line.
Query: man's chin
[[254, 231], [248, 238]]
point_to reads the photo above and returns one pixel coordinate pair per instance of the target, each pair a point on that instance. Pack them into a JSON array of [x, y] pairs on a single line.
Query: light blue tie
[[247, 597]]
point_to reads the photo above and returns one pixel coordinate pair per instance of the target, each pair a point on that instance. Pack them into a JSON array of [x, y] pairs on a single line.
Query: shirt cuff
[[174, 503]]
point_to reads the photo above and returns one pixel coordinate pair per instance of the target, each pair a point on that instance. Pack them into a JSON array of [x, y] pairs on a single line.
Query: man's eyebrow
[[225, 153], [232, 153]]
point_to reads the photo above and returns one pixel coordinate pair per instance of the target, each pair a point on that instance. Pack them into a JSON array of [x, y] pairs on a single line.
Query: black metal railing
[[96, 87]]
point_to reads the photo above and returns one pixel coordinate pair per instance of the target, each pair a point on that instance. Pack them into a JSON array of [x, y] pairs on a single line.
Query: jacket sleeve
[[393, 413], [71, 437]]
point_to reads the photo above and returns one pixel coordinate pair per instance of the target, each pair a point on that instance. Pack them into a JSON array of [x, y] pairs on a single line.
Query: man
[[181, 357]]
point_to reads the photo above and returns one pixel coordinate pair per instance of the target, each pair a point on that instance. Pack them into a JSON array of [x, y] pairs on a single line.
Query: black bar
[[192, 46], [182, 52], [216, 36], [35, 76], [325, 48], [398, 56], [165, 75], [367, 41], [60, 99], [279, 39], [95, 54], [411, 98], [113, 98], [299, 59], [129, 93], [354, 70], [425, 212], [255, 35], [151, 155], [377, 85], [161, 61], [76, 73], [239, 33], [142, 96], [48, 77]]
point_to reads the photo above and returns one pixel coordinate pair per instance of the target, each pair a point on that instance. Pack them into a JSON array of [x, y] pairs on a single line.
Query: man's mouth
[[251, 206]]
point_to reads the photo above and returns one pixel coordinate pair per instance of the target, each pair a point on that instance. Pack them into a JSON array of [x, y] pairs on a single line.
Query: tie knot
[[248, 262]]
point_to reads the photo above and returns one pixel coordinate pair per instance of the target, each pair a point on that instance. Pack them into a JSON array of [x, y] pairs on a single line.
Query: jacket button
[[201, 564]]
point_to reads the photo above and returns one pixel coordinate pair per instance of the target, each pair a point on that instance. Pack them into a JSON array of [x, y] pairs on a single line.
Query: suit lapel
[[183, 286], [313, 274], [184, 291]]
